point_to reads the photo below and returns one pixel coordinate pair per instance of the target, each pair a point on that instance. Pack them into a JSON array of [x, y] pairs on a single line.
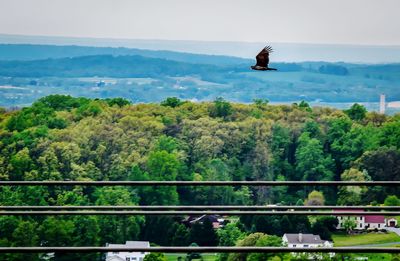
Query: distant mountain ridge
[[101, 65], [39, 52], [285, 52]]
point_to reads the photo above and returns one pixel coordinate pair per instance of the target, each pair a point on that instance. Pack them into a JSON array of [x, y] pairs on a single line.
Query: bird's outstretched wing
[[263, 57]]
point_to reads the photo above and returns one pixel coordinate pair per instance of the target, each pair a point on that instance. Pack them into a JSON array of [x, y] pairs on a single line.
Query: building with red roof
[[366, 221]]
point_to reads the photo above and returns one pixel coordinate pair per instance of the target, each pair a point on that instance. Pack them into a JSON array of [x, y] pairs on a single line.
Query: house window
[[305, 245], [294, 245], [379, 225], [128, 259]]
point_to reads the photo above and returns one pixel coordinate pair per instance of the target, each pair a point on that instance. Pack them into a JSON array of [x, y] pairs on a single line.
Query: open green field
[[206, 257], [364, 239]]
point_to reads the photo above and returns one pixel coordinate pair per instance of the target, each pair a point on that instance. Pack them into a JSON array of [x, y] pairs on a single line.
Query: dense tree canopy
[[65, 138]]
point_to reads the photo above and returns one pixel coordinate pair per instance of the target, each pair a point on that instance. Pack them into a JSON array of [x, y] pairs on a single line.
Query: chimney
[[300, 237], [382, 104]]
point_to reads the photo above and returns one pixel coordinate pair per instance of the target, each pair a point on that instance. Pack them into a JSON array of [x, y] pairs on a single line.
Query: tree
[[57, 232], [86, 233], [228, 236], [267, 240], [117, 228], [120, 102], [392, 201], [391, 134], [172, 102], [349, 224], [311, 162], [154, 226], [256, 239], [93, 108], [261, 103], [313, 128], [281, 144], [214, 169], [315, 198], [25, 235], [351, 195], [180, 235], [381, 164], [60, 102], [166, 143], [221, 108], [356, 112], [155, 257], [324, 226], [353, 143], [162, 165], [305, 106], [203, 233], [21, 162]]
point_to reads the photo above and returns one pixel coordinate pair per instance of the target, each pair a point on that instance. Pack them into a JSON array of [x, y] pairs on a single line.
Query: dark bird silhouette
[[263, 60]]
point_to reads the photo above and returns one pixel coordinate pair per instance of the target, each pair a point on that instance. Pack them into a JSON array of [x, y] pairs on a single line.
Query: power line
[[200, 249], [199, 183], [200, 207], [187, 212]]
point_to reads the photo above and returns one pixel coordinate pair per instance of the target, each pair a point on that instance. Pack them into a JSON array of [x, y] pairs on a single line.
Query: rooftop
[[374, 219], [304, 239], [131, 244]]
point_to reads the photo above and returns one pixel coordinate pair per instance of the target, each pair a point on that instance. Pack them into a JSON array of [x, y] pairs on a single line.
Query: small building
[[391, 222], [216, 221], [126, 255], [305, 240], [367, 222]]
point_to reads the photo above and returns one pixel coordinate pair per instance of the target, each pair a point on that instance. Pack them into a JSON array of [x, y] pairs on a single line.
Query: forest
[[60, 137]]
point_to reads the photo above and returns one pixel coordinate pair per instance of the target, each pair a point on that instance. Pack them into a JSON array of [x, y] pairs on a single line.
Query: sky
[[366, 22]]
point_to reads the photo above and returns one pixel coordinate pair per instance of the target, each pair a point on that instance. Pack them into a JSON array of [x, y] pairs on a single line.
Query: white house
[[368, 222], [126, 255], [306, 240]]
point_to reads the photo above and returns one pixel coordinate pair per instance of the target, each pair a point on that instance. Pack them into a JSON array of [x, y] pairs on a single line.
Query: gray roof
[[306, 239], [131, 244]]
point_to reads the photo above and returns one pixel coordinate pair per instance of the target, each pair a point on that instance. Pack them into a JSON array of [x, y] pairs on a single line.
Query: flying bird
[[263, 60]]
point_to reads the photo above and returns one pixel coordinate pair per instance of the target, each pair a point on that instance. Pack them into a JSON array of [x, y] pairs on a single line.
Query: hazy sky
[[308, 21]]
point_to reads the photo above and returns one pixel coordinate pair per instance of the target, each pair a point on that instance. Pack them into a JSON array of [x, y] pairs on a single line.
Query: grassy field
[[364, 239], [206, 257]]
